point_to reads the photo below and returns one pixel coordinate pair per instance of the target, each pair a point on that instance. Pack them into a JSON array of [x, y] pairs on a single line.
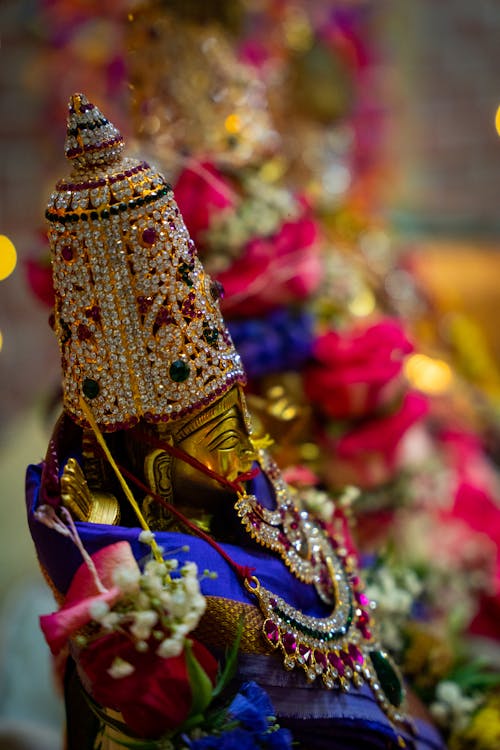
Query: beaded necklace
[[341, 648]]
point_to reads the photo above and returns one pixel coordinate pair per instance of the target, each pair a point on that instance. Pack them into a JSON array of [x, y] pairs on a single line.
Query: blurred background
[[346, 154]]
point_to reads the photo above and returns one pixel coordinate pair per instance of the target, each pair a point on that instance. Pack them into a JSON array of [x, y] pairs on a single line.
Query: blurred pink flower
[[366, 454], [356, 373], [84, 592], [273, 271], [477, 504], [39, 277], [200, 192]]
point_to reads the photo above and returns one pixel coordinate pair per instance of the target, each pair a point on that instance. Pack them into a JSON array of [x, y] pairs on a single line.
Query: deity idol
[[153, 394]]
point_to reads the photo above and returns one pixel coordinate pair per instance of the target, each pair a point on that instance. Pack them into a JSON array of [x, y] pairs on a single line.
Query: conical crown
[[137, 318]]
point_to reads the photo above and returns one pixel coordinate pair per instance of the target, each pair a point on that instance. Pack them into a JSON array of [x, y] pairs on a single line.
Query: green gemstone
[[90, 388], [388, 678], [210, 334], [179, 371]]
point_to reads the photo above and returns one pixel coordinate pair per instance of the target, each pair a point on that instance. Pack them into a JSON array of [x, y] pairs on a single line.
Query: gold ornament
[[136, 316], [190, 93]]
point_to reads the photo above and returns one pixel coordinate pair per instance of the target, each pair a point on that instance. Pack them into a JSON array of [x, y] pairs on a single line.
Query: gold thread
[[128, 494]]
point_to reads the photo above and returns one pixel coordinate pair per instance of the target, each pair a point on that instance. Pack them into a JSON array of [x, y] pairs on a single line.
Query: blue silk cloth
[[318, 718]]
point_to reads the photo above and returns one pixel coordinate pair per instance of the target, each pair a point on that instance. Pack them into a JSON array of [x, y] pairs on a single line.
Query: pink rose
[[83, 592], [356, 373], [202, 191], [273, 271]]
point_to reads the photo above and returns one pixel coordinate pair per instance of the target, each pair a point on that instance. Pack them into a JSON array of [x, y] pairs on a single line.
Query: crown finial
[[91, 139]]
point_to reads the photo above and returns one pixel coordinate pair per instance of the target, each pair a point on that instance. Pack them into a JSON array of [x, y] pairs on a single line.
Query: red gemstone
[[272, 632], [163, 317], [149, 236], [320, 658], [347, 659], [93, 313], [67, 252], [336, 663], [284, 541], [290, 643], [365, 632], [84, 332], [305, 652], [363, 618], [356, 654]]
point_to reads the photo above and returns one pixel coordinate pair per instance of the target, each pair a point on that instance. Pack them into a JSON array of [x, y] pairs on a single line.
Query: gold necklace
[[342, 648]]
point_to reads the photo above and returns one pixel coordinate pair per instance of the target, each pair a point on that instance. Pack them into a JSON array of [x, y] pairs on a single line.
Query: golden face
[[222, 443]]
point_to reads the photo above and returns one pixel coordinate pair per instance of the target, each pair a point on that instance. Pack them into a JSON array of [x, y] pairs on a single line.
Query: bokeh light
[[8, 257], [432, 376], [363, 303], [232, 124], [1, 341], [497, 120]]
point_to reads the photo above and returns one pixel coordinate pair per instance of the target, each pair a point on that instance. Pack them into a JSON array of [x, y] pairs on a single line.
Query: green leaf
[[199, 681], [474, 675], [231, 662]]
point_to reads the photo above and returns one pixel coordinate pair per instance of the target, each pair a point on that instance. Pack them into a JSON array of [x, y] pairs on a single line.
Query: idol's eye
[[227, 440]]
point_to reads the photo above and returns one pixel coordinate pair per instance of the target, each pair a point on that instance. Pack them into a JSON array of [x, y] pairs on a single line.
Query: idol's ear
[[158, 475]]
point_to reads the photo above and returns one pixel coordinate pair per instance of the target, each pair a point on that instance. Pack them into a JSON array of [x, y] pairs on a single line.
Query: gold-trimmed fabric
[[219, 625]]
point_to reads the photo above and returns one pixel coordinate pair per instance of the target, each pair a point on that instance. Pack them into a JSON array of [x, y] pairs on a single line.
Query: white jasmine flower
[[110, 621], [192, 586], [319, 503], [189, 569], [171, 565], [144, 622], [170, 647], [98, 610], [120, 668], [165, 600], [146, 537], [152, 583], [126, 577], [452, 707]]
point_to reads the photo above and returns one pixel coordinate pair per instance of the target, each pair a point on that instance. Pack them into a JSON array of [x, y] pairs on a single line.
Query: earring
[[157, 470]]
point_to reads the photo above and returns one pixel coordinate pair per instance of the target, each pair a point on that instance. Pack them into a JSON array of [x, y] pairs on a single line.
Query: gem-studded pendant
[[340, 649]]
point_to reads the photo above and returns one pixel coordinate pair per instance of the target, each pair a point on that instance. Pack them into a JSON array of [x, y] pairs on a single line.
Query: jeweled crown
[[137, 318]]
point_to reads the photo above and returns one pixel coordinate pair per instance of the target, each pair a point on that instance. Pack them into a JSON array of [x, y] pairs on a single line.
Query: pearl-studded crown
[[137, 318]]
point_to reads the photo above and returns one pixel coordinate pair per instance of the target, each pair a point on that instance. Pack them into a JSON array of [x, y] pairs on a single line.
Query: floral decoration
[[130, 633]]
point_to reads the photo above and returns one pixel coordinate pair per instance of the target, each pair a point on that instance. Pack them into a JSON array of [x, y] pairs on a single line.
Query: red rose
[[200, 193], [273, 271], [356, 373], [156, 697]]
